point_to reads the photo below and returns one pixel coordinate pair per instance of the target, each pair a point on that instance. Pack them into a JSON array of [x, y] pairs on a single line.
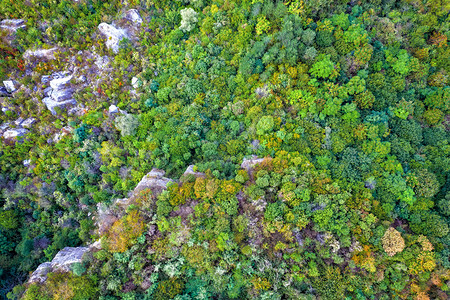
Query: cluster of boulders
[[62, 262], [59, 92], [106, 216], [125, 28]]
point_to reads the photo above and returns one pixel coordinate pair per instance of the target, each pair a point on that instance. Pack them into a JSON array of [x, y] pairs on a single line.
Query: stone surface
[[62, 95], [59, 93], [67, 257], [190, 171], [60, 82], [250, 163], [4, 92], [52, 104], [40, 274], [133, 16], [19, 121], [153, 180], [10, 86], [28, 122], [43, 54], [113, 109], [113, 36], [136, 83], [13, 133], [62, 262], [12, 24]]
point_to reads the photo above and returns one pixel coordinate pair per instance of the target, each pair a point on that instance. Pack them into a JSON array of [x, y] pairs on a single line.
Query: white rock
[[67, 257], [45, 78], [62, 95], [113, 109], [13, 133], [133, 16], [10, 86], [113, 36], [250, 163], [60, 83], [47, 54], [190, 171], [12, 24], [18, 121], [40, 274], [102, 62], [28, 122], [154, 179], [26, 162], [51, 104], [136, 83]]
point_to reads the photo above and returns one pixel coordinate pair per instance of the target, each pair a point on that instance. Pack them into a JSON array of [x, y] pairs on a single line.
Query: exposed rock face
[[113, 36], [113, 109], [250, 163], [40, 54], [190, 171], [61, 262], [11, 26], [133, 16], [14, 133], [59, 93], [4, 92], [40, 274], [28, 122], [10, 86], [154, 180], [67, 257]]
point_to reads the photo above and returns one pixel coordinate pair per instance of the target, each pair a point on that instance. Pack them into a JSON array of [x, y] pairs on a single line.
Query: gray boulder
[[190, 171], [250, 163], [12, 24], [154, 180], [28, 122], [62, 262], [133, 16], [10, 85], [40, 54], [59, 93], [113, 36], [40, 274], [67, 257], [14, 133]]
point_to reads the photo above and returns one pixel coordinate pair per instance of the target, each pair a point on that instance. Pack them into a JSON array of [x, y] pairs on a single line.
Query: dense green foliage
[[349, 103]]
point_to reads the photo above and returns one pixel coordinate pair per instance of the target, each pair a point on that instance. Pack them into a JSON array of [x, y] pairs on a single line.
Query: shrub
[[393, 242], [127, 124], [188, 19]]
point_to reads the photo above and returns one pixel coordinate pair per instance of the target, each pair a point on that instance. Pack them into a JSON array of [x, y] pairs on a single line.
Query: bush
[[188, 19], [127, 124], [393, 242]]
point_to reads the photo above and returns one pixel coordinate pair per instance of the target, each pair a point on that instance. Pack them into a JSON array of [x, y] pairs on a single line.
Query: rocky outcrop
[[250, 163], [59, 93], [190, 171], [133, 16], [62, 262], [113, 36], [10, 85], [12, 25], [107, 215], [14, 133], [154, 180], [126, 27], [40, 54]]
